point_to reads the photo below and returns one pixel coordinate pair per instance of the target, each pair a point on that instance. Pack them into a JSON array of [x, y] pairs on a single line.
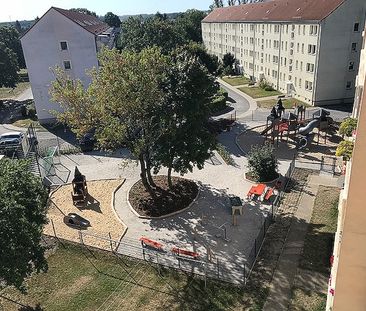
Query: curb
[[164, 216], [241, 133]]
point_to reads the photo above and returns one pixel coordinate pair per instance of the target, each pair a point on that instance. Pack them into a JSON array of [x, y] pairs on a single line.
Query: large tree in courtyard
[[8, 67], [22, 217]]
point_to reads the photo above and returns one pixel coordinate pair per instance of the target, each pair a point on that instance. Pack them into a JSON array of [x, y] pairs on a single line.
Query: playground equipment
[[223, 233], [79, 189], [294, 123]]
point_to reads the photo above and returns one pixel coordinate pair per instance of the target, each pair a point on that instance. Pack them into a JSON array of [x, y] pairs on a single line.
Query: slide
[[309, 127], [304, 141]]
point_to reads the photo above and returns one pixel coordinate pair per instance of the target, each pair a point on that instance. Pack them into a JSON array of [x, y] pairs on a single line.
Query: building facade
[[347, 285], [306, 49], [66, 39]]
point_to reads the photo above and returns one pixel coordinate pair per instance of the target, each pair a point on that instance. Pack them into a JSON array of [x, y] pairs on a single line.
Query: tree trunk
[[170, 183], [148, 170], [143, 176]]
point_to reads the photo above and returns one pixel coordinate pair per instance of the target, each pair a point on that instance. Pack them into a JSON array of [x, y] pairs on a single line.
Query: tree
[[262, 163], [185, 141], [228, 63], [8, 67], [345, 150], [347, 126], [121, 103], [10, 37], [84, 11], [18, 27], [189, 24], [112, 20], [22, 217], [216, 4]]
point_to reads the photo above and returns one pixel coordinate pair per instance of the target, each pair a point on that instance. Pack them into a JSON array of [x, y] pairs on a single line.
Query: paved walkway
[[27, 94], [280, 290]]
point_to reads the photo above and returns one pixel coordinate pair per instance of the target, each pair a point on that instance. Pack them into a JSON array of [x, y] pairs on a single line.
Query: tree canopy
[[155, 104], [138, 33], [112, 19], [10, 37], [8, 67], [84, 11], [22, 217]]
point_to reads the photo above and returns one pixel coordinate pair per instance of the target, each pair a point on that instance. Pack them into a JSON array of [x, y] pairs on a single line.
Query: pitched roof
[[275, 10], [88, 22]]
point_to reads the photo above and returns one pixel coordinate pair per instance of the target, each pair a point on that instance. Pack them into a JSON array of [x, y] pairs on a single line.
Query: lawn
[[9, 93], [318, 248], [27, 122], [79, 279], [235, 81], [287, 103], [257, 92]]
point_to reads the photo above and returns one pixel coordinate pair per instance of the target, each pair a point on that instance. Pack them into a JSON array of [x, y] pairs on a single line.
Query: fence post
[[53, 227], [245, 281], [255, 248], [218, 268]]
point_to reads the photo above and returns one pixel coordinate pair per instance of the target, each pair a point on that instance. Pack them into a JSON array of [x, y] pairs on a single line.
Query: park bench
[[269, 194], [153, 244], [188, 254], [257, 190]]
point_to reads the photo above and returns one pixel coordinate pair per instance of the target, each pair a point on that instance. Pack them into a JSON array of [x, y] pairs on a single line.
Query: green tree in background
[[84, 11], [10, 37], [8, 67], [189, 25], [22, 217], [112, 19]]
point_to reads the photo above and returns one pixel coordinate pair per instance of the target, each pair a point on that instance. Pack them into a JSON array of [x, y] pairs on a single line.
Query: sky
[[12, 10]]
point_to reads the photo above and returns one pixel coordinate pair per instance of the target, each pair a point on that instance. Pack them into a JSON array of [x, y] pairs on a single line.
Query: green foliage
[[22, 217], [9, 36], [345, 149], [8, 67], [348, 126], [112, 19], [83, 11], [228, 60], [228, 71], [138, 33], [262, 163], [225, 155], [219, 101]]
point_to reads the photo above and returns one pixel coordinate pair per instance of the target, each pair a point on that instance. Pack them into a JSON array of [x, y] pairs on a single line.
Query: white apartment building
[[66, 39], [308, 49]]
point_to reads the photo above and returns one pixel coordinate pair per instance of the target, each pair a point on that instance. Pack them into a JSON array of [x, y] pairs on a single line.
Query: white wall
[[42, 51]]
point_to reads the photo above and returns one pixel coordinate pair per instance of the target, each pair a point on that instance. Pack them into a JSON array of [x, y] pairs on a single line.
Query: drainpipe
[[279, 58]]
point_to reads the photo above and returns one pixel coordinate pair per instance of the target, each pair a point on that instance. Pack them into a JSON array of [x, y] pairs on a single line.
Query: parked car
[[73, 219], [11, 138], [87, 142]]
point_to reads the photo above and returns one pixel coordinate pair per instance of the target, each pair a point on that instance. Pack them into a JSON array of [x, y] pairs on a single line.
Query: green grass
[[318, 248], [287, 103], [9, 93], [27, 122], [235, 81], [257, 92], [79, 280]]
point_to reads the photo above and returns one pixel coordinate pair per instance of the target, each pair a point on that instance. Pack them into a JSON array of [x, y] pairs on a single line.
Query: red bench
[[151, 243], [179, 252], [256, 190], [269, 193]]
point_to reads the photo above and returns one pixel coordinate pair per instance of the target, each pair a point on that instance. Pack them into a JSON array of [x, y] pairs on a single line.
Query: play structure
[[295, 126], [79, 189]]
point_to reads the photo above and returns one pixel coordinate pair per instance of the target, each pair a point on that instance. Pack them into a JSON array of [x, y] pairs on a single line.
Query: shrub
[[269, 88], [219, 101], [225, 155], [345, 150], [262, 163], [348, 126]]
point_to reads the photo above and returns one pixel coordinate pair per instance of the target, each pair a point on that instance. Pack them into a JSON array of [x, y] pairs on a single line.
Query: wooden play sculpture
[[79, 189]]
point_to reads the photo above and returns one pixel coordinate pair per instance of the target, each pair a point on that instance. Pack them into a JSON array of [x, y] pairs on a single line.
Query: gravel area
[[99, 212]]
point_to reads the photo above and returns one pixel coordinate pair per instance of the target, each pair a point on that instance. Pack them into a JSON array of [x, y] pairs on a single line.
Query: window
[[63, 45], [67, 65], [309, 67], [351, 66], [308, 86], [302, 48], [311, 49], [348, 85], [354, 47], [356, 27]]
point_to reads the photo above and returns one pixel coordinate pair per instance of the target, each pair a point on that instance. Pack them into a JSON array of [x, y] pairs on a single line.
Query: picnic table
[[257, 190]]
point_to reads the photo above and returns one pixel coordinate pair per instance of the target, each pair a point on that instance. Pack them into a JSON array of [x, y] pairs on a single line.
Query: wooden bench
[[151, 243], [180, 252]]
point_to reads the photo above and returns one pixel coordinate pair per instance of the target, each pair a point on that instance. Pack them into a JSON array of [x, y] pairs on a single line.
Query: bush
[[219, 101], [348, 126], [225, 155], [269, 88], [228, 71], [262, 163], [345, 150]]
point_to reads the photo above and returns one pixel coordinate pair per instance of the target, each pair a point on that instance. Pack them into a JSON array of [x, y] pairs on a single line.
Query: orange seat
[[151, 243], [179, 251], [269, 194]]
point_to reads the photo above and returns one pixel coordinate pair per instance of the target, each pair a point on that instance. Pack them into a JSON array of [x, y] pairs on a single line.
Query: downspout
[[279, 58], [255, 27], [317, 58]]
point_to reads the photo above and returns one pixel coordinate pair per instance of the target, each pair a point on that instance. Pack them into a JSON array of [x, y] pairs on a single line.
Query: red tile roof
[[88, 22], [276, 10]]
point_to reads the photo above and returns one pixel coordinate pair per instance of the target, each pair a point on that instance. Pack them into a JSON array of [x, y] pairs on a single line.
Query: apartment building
[[347, 286], [67, 39], [308, 49]]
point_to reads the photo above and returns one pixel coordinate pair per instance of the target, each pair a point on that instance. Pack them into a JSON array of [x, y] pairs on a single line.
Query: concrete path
[[27, 94], [280, 290]]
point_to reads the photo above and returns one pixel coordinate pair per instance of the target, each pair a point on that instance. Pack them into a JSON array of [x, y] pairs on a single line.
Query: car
[[11, 138], [73, 219]]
